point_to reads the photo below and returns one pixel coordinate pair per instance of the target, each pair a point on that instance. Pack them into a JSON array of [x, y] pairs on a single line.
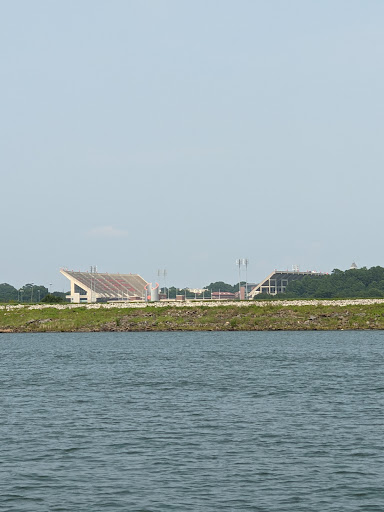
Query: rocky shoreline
[[196, 303], [195, 316]]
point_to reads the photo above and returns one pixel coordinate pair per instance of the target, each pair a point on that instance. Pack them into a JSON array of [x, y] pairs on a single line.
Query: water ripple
[[270, 422]]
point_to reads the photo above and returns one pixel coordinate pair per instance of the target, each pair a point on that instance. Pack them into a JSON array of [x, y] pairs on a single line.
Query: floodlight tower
[[245, 263], [163, 273], [239, 263], [93, 271]]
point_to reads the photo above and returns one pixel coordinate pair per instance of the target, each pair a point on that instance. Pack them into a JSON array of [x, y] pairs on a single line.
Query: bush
[[53, 299]]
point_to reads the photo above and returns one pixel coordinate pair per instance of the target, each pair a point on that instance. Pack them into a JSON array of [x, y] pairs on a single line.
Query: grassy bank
[[194, 318]]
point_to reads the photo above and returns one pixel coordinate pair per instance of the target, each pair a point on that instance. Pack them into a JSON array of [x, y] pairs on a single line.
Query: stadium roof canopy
[[278, 280], [98, 287]]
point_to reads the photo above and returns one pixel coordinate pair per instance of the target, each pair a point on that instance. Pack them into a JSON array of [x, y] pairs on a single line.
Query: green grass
[[220, 318]]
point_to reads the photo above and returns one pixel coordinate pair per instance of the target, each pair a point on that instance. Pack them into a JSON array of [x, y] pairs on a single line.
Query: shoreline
[[295, 315]]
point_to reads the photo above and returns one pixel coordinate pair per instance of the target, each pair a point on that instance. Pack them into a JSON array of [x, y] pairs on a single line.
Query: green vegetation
[[195, 318], [51, 298], [349, 284], [220, 286], [27, 293], [8, 293]]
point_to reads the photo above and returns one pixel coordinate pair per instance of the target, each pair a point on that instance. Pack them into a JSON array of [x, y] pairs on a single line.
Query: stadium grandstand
[[99, 287], [278, 281]]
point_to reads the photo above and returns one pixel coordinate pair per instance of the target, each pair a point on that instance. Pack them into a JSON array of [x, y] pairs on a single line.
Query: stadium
[[103, 287], [93, 286]]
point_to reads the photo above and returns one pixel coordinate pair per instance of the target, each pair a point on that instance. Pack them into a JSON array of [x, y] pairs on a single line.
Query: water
[[192, 422]]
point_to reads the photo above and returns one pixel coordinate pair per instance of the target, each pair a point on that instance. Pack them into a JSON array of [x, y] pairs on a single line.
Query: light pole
[[90, 298], [238, 263], [93, 277], [163, 273], [32, 291], [245, 263]]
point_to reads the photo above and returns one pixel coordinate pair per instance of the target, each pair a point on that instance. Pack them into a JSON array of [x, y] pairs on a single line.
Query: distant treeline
[[29, 293], [363, 282]]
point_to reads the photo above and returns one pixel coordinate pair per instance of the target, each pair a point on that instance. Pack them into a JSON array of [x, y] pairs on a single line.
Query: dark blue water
[[192, 422]]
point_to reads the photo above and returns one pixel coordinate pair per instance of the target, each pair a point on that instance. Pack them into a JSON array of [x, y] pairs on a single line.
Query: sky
[[183, 135]]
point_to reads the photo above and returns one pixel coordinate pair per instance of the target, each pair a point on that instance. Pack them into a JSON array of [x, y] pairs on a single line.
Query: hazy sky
[[146, 134]]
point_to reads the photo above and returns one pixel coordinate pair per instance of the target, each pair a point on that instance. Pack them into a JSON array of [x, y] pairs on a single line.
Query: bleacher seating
[[108, 286]]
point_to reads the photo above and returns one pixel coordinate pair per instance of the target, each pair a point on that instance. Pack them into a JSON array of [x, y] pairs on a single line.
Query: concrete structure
[[152, 292], [278, 281], [98, 287]]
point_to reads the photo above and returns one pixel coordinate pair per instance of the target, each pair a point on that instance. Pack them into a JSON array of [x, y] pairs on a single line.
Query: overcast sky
[[147, 134]]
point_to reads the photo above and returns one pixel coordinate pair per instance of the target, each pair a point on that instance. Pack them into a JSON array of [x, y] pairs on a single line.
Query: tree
[[220, 286], [351, 283], [28, 293], [7, 292], [52, 299], [33, 293]]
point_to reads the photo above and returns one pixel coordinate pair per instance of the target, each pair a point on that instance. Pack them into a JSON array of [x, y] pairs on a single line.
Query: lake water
[[261, 421]]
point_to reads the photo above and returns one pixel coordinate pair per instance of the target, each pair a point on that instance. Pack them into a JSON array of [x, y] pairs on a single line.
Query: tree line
[[353, 283], [29, 293]]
